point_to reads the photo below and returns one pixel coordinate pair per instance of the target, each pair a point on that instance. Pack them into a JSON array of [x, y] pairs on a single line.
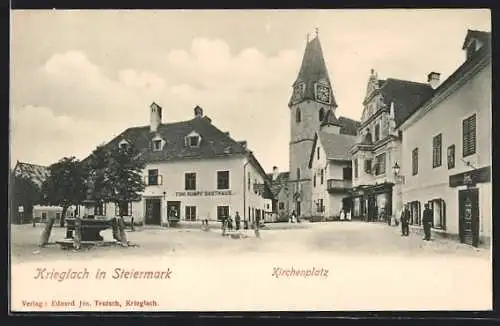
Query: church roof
[[406, 95], [347, 126], [313, 69], [33, 172], [336, 146]]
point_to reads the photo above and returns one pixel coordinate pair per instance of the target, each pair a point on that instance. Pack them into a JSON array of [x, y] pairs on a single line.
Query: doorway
[[297, 208], [153, 211], [468, 212], [173, 211]]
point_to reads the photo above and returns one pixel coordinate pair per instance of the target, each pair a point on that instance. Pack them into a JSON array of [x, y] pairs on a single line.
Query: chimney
[[155, 117], [433, 79], [243, 144], [227, 133], [275, 172], [198, 112]]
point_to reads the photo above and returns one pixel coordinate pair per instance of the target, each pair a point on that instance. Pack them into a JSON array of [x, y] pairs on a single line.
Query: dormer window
[[193, 139], [123, 144], [157, 145]]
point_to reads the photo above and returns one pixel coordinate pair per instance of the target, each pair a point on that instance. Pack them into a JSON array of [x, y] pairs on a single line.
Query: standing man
[[405, 220], [237, 220], [427, 221]]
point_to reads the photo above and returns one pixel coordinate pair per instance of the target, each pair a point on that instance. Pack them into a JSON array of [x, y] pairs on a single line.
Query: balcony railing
[[338, 185]]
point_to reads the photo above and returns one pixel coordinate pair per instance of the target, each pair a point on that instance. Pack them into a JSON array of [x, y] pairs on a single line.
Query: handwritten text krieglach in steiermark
[[118, 273], [292, 272]]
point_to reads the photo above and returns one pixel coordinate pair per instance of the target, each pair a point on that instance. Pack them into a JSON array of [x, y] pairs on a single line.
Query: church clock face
[[298, 91], [323, 93]]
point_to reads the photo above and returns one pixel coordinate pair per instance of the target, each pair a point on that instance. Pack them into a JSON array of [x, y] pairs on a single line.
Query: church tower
[[311, 99]]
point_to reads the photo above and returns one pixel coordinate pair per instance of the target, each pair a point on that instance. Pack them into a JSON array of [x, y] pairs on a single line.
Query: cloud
[[40, 136], [211, 63]]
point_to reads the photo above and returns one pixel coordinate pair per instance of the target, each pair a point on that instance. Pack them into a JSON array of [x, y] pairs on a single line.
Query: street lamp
[[396, 169]]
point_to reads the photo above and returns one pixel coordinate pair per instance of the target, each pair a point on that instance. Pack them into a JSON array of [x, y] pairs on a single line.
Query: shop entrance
[[468, 211]]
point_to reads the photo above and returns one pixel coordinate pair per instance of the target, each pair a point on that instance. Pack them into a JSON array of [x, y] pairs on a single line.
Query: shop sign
[[203, 193]]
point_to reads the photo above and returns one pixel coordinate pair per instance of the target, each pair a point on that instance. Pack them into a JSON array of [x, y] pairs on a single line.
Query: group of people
[[427, 219], [227, 224]]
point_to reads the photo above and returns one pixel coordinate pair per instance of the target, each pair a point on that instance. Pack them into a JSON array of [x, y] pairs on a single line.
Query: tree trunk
[[122, 232], [77, 236], [46, 232], [63, 216]]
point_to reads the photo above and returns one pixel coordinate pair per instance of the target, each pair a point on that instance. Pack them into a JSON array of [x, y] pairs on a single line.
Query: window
[[380, 164], [222, 212], [415, 211], [355, 167], [322, 176], [157, 145], [222, 179], [377, 132], [368, 166], [451, 156], [314, 180], [438, 207], [321, 114], [320, 207], [100, 209], [123, 145], [469, 136], [190, 213], [281, 205], [414, 162], [436, 151], [317, 153], [249, 181], [298, 173], [347, 173], [190, 181], [123, 209], [44, 216], [194, 141], [297, 115], [153, 177]]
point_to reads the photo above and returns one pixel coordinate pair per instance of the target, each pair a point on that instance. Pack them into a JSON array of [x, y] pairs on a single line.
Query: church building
[[311, 99]]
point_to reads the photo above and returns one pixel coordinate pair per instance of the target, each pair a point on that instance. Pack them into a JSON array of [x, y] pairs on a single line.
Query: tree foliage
[[97, 167], [24, 192], [66, 184], [123, 175]]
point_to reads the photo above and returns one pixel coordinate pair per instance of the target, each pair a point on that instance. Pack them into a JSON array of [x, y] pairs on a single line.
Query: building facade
[[311, 99], [330, 164], [378, 148], [194, 169], [447, 149]]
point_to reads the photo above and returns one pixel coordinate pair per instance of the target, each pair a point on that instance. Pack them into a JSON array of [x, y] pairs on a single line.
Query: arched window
[[297, 115], [321, 114]]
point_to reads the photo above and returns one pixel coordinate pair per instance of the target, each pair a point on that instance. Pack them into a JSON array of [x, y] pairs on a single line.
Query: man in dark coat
[[237, 220], [427, 221], [405, 220]]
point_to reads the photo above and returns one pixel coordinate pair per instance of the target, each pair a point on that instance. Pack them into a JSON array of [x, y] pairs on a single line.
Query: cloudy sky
[[79, 78]]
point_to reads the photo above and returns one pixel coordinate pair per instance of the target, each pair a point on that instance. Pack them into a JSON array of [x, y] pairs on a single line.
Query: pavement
[[371, 267], [336, 238]]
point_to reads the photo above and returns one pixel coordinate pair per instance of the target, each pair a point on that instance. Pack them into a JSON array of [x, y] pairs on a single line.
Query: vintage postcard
[[250, 160]]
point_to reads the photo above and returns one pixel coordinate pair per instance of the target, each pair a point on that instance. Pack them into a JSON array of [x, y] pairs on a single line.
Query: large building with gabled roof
[[194, 168]]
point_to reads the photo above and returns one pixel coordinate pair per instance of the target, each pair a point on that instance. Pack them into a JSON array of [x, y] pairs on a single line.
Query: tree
[[97, 167], [65, 185], [24, 192], [123, 180]]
